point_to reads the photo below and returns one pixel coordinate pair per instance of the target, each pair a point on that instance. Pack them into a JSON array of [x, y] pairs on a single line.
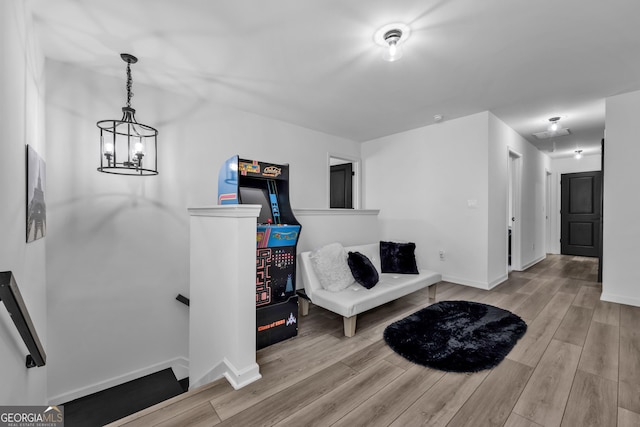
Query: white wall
[[531, 221], [22, 111], [444, 186], [215, 133], [620, 275], [561, 166], [118, 249], [347, 226], [422, 181]]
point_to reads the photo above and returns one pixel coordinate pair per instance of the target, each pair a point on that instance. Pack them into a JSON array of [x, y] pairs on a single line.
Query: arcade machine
[[266, 184]]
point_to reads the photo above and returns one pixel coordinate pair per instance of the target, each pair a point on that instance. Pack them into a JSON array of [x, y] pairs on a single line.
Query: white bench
[[356, 298]]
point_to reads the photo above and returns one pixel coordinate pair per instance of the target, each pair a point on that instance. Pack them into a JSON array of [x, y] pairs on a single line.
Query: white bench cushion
[[357, 299]]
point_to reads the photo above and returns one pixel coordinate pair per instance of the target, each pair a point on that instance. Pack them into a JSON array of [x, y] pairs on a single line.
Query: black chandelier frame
[[125, 143]]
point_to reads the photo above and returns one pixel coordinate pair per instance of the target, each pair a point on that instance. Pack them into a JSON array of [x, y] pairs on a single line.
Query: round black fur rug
[[456, 336]]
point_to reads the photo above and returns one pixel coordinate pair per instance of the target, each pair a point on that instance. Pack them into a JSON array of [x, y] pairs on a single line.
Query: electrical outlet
[[441, 252]]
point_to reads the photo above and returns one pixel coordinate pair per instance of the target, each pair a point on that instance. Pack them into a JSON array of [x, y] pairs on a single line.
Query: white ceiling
[[314, 62]]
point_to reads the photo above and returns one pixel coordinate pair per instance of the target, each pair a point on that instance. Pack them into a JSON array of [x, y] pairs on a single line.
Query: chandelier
[[126, 146]]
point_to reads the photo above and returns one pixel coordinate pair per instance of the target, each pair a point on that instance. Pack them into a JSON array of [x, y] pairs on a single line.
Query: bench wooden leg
[[432, 292], [304, 305], [350, 326]]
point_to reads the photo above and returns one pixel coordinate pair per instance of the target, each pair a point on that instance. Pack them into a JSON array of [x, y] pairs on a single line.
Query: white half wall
[[222, 315], [620, 274], [22, 112]]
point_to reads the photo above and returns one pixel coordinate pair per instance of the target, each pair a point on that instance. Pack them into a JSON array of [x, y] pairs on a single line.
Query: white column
[[222, 312]]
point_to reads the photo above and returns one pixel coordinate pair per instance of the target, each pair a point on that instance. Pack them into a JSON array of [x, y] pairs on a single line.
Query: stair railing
[[12, 299]]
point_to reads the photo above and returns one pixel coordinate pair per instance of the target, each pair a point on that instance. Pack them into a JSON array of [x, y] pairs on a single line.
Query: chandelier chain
[[129, 84]]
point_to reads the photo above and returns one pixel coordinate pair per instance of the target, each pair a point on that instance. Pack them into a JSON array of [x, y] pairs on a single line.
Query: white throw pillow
[[330, 265]]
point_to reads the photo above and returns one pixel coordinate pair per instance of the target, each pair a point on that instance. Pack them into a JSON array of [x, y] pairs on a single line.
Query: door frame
[[564, 232], [547, 211], [357, 177], [514, 189]]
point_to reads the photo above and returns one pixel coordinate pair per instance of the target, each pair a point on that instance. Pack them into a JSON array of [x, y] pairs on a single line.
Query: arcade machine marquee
[[266, 184]]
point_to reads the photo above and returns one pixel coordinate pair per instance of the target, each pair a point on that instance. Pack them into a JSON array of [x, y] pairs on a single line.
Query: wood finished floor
[[577, 365]]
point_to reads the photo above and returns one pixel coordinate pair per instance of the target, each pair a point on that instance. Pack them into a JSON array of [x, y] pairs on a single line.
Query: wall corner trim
[[237, 378], [232, 211], [496, 282]]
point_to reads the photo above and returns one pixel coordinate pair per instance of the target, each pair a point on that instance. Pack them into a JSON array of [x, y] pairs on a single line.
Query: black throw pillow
[[398, 258], [362, 269]]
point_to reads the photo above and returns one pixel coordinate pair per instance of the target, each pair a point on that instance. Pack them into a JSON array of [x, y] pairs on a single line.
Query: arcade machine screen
[[257, 196]]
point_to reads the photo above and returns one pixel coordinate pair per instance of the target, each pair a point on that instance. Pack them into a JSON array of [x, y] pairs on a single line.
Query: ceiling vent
[[551, 134]]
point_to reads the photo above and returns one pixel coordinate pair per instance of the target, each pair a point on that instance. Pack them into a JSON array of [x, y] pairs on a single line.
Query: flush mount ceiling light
[[554, 129], [391, 37], [554, 124], [578, 154], [126, 146]]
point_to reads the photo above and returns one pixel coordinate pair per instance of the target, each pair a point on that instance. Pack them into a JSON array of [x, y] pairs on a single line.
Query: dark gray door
[[581, 197], [341, 186]]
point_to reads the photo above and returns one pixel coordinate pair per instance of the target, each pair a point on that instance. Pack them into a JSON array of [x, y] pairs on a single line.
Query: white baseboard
[[466, 282], [179, 365], [534, 262], [620, 299], [237, 378], [474, 284], [180, 368]]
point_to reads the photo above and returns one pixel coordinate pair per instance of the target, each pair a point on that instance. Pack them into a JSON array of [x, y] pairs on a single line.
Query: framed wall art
[[36, 205]]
